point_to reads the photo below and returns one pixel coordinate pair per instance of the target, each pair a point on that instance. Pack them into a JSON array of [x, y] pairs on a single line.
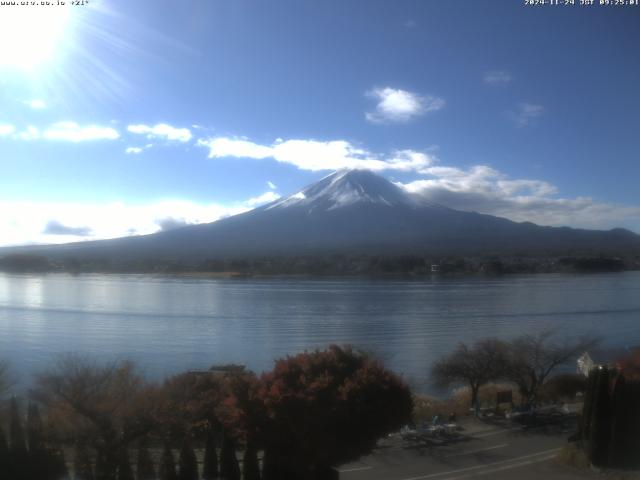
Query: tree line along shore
[[327, 265]]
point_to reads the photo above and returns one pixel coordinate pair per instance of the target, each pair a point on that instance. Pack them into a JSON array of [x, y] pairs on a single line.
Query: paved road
[[486, 452]]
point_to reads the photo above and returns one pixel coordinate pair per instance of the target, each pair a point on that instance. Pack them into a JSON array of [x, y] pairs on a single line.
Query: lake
[[168, 324]]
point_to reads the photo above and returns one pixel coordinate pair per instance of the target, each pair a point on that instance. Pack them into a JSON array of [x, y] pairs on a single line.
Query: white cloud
[[396, 105], [271, 185], [497, 77], [163, 131], [6, 130], [29, 133], [137, 150], [264, 198], [317, 155], [36, 104], [486, 190], [230, 147], [72, 132], [527, 114], [41, 222]]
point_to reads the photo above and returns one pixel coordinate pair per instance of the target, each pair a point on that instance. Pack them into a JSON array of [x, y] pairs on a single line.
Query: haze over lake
[[169, 324]]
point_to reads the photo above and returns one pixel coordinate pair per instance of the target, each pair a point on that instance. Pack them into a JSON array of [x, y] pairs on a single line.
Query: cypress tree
[[167, 465], [229, 468], [124, 466], [57, 465], [269, 466], [188, 463], [82, 468], [633, 426], [35, 436], [210, 467], [587, 407], [38, 455], [145, 470], [600, 427], [106, 465], [4, 454], [19, 456], [620, 415], [277, 467], [250, 466]]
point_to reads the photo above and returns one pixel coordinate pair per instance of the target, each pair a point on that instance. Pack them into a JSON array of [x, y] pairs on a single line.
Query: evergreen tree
[[82, 464], [229, 468], [188, 463], [634, 423], [210, 468], [145, 470], [19, 456], [124, 466], [4, 454], [269, 466], [57, 465], [600, 428], [587, 407], [38, 455], [106, 465], [276, 466], [250, 466], [167, 465], [35, 436], [620, 414]]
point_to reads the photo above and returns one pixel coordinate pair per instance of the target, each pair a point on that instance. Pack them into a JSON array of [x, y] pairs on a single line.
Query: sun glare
[[31, 35]]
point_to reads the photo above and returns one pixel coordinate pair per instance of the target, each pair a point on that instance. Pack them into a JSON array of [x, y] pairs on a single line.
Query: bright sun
[[31, 35]]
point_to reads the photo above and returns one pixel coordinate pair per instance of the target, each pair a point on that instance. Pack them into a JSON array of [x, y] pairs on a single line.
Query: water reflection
[[169, 324]]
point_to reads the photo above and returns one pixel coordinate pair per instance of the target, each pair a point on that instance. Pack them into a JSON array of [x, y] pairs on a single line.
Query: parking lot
[[496, 449]]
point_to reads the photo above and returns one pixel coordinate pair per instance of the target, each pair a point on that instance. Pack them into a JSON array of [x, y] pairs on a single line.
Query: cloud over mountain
[[317, 155], [486, 190], [54, 227]]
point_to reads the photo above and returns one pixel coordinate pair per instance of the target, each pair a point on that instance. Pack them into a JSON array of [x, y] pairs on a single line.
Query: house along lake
[[170, 324]]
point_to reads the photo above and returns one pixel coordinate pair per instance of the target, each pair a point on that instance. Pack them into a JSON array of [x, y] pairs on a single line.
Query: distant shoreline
[[334, 265], [311, 276]]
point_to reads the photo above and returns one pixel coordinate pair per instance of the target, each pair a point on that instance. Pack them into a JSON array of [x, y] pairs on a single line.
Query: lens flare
[[31, 35]]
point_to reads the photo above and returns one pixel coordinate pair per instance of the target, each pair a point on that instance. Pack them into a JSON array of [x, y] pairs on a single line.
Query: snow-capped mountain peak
[[347, 187]]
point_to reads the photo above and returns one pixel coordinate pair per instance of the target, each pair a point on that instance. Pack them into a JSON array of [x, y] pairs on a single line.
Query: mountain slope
[[352, 212]]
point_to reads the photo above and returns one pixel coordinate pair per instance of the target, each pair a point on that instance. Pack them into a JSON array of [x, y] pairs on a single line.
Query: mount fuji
[[351, 211]]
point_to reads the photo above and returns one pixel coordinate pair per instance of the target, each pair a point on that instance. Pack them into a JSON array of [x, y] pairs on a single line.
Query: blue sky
[[148, 114]]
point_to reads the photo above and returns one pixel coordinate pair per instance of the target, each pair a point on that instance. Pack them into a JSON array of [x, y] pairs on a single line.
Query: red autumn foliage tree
[[242, 410], [630, 365], [327, 408], [190, 403], [243, 416]]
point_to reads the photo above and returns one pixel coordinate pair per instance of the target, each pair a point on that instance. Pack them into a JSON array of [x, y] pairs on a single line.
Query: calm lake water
[[169, 324]]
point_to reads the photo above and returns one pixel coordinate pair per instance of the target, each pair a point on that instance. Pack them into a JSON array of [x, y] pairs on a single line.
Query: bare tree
[[533, 357], [107, 406], [473, 366]]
